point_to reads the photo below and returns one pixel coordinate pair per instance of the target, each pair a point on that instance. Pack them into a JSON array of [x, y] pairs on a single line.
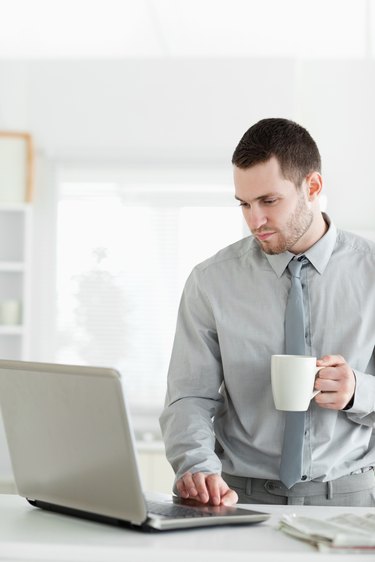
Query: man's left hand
[[336, 381]]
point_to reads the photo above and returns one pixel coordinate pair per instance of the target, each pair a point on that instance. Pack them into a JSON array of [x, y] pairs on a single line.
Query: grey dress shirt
[[219, 413]]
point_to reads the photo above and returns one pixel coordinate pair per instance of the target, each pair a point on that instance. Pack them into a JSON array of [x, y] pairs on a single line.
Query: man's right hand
[[206, 488]]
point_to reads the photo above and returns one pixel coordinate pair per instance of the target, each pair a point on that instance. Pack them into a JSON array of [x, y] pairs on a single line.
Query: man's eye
[[269, 201], [243, 204]]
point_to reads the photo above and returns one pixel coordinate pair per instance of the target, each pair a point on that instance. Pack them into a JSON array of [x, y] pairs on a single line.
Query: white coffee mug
[[293, 379]]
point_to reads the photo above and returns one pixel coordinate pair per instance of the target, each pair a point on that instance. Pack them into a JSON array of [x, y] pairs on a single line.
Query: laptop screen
[[70, 439]]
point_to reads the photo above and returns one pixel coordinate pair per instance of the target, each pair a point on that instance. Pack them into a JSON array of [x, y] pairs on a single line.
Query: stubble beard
[[297, 225]]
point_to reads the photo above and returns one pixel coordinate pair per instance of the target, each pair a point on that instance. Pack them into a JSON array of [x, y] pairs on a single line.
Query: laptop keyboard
[[177, 511]]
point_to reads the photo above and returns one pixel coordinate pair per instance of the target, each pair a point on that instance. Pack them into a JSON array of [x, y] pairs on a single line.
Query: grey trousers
[[352, 490]]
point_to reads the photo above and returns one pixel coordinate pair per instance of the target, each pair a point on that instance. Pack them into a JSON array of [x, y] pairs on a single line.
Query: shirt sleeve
[[363, 408], [194, 379]]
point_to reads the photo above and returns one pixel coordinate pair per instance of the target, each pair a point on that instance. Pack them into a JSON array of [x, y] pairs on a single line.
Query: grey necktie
[[291, 456]]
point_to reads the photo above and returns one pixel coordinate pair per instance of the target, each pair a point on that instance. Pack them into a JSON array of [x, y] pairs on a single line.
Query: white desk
[[28, 533]]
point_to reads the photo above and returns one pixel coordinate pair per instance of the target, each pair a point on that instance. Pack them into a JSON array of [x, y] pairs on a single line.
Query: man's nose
[[255, 218]]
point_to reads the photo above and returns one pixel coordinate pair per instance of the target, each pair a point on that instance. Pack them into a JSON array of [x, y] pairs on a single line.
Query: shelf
[[14, 206], [12, 266], [15, 248], [11, 330]]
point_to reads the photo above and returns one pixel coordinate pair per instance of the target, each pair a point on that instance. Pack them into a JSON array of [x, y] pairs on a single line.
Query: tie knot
[[295, 266]]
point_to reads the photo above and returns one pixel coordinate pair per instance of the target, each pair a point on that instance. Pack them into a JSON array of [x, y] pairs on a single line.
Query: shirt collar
[[318, 255]]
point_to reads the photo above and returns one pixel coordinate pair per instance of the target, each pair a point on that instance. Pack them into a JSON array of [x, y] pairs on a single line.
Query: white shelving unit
[[16, 188], [15, 262], [15, 246]]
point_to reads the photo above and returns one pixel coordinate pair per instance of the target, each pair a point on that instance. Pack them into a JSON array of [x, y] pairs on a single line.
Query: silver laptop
[[72, 449]]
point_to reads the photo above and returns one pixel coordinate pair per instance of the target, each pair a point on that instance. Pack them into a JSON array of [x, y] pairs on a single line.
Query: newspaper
[[343, 533]]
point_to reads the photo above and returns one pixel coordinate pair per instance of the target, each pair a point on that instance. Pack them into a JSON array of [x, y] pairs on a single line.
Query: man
[[223, 435]]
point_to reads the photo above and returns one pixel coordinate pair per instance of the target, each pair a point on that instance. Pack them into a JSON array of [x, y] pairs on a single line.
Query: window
[[124, 253]]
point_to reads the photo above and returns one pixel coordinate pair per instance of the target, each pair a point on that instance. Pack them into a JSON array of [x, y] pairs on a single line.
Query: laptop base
[[71, 512]]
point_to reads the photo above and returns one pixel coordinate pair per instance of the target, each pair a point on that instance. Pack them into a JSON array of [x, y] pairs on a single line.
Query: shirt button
[[304, 477]]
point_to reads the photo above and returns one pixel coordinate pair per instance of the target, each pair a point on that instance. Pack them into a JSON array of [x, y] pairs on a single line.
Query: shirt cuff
[[363, 401]]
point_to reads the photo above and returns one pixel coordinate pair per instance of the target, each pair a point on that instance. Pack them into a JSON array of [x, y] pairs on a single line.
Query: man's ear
[[314, 182]]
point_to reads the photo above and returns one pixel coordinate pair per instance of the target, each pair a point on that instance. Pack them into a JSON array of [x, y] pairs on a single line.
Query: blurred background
[[134, 108]]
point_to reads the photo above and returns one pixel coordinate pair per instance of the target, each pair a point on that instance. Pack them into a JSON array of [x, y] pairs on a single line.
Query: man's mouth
[[264, 235]]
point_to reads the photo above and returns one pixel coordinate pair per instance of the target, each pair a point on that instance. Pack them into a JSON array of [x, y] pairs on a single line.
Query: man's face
[[276, 211]]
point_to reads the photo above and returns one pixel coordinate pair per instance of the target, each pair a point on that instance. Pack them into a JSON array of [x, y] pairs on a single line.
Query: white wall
[[186, 111], [165, 109], [336, 103]]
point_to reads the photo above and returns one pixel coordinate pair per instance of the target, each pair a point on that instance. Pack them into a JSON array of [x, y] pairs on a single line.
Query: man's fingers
[[206, 488], [230, 498], [187, 484], [214, 486], [327, 384], [336, 380], [182, 489], [193, 486], [338, 373], [330, 360], [200, 485], [326, 398]]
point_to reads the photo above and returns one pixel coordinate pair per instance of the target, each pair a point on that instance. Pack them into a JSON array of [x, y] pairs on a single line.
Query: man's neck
[[317, 230]]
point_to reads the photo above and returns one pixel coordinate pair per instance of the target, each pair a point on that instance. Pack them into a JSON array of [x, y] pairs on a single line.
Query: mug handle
[[315, 392]]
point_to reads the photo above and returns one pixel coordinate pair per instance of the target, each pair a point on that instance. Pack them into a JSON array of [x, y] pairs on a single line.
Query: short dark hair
[[292, 145]]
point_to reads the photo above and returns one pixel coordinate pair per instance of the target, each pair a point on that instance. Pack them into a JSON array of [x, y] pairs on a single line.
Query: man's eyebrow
[[272, 194]]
